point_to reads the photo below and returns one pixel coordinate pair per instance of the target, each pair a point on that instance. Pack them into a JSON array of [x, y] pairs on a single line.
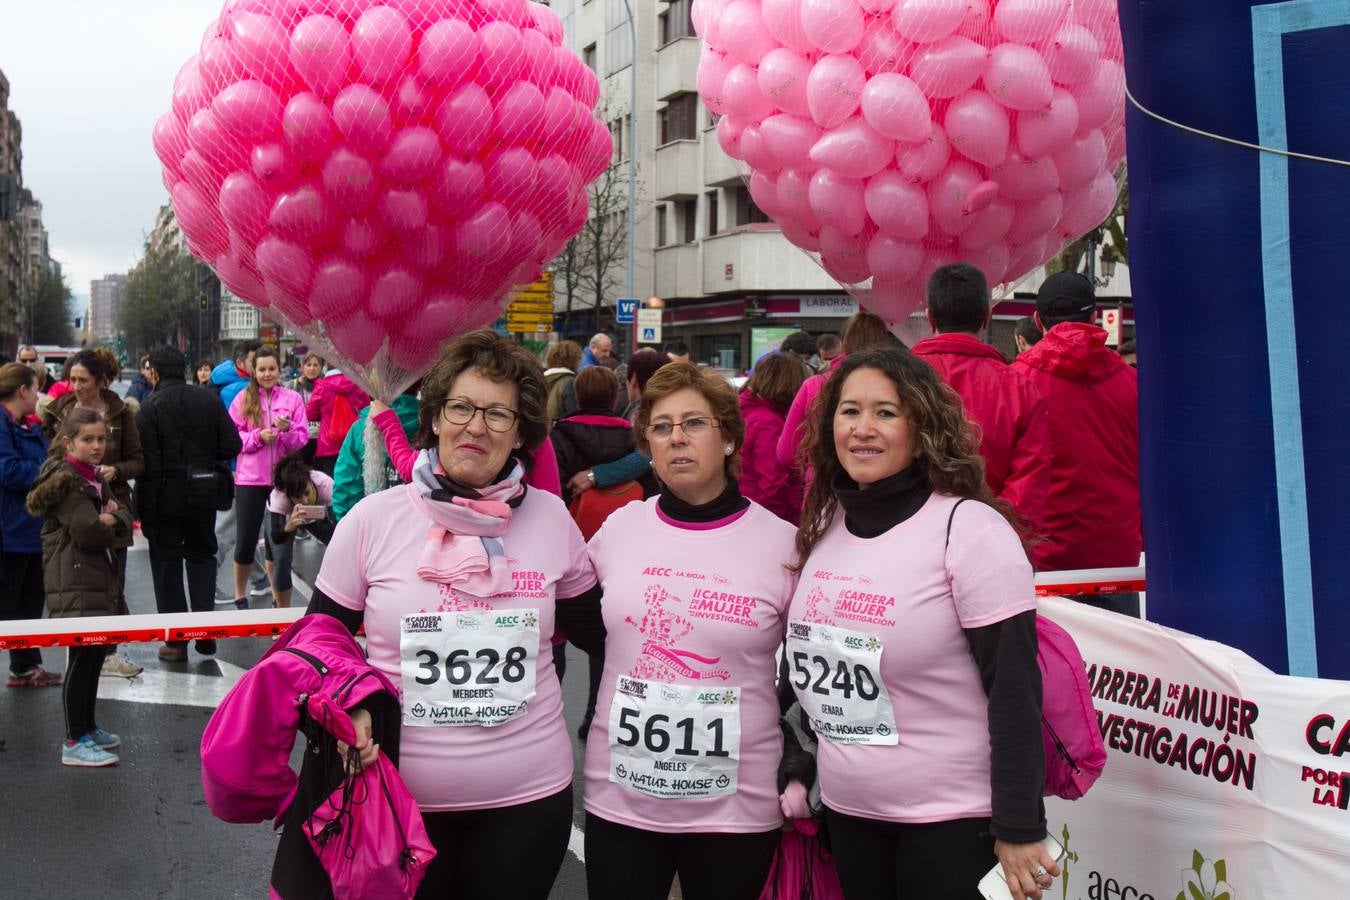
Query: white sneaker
[[119, 666]]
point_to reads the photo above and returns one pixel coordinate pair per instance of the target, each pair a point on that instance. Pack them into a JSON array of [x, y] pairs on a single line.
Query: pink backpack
[[1074, 752]]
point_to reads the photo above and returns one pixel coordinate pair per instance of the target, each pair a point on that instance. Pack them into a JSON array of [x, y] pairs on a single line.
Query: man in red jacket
[[1014, 432], [1092, 396]]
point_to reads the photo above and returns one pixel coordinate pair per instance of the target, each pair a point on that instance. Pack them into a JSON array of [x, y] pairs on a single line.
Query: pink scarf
[[463, 546]]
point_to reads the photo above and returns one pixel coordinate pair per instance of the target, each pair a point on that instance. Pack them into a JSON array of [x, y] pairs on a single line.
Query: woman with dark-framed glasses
[[460, 578], [683, 755]]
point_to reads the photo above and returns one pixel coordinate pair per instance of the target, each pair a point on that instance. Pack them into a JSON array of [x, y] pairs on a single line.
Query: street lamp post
[[632, 155]]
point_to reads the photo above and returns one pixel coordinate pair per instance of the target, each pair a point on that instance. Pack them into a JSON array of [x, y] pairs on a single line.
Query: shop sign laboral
[[1224, 780]]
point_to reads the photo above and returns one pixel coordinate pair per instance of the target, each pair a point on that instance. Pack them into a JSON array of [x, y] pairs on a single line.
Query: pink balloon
[[541, 65], [519, 113], [381, 44], [349, 179], [712, 74], [853, 149], [286, 264], [896, 108], [547, 21], [244, 205], [502, 56], [362, 115], [357, 338], [790, 138], [756, 152], [301, 214], [843, 256], [261, 45], [170, 140], [394, 294], [794, 198], [1102, 98], [764, 191], [979, 197], [464, 120], [412, 157], [834, 89], [511, 175], [1025, 258], [782, 78], [338, 289], [402, 210], [362, 238], [801, 236], [208, 136], [1029, 21], [946, 196], [742, 95], [922, 161], [1018, 77], [484, 237], [308, 128], [1035, 218], [248, 109], [242, 283], [881, 49], [729, 130], [783, 18], [1072, 54], [926, 21], [320, 50], [891, 259], [978, 22], [744, 34], [199, 172], [895, 301], [216, 64], [988, 226], [832, 26], [977, 128], [289, 307], [1023, 179], [1043, 132], [949, 67], [1089, 206], [189, 92], [992, 261], [837, 202], [200, 221], [1081, 161], [447, 53], [897, 205]]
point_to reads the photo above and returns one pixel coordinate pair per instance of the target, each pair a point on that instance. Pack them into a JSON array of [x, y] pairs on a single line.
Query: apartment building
[[728, 280], [105, 306]]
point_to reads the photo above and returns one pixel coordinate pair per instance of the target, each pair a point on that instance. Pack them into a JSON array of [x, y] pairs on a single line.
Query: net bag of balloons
[[888, 138], [379, 175]]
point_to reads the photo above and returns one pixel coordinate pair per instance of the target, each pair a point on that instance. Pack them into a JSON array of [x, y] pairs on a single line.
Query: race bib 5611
[[674, 740]]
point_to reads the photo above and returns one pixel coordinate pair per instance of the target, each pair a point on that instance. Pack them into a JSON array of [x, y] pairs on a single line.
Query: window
[[747, 213], [588, 56], [712, 213], [618, 37], [679, 118], [676, 22], [662, 237], [616, 131], [688, 223]]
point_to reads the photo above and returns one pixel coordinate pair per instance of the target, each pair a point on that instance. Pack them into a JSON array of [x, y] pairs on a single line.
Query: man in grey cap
[[1092, 397]]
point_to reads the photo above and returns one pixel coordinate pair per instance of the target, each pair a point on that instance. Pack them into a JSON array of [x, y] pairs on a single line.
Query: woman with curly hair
[[912, 643]]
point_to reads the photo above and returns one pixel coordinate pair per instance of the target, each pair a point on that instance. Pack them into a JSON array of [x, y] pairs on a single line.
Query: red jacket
[[320, 408], [1014, 429], [764, 479], [1092, 397]]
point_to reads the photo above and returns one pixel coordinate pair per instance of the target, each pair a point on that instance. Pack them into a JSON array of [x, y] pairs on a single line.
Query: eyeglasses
[[692, 427], [461, 412]]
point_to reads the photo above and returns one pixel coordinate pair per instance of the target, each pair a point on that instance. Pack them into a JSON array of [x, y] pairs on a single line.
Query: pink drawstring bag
[[802, 868], [368, 834], [1074, 752]]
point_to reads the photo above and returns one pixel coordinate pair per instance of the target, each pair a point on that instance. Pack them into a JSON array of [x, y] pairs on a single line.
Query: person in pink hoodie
[[764, 405], [320, 409], [271, 422]]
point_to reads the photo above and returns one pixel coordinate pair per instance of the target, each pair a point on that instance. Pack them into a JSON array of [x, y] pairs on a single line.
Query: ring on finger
[[1040, 870]]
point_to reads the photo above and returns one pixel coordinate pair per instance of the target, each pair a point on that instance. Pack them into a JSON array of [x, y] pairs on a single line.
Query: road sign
[[519, 327], [530, 307], [1111, 323], [649, 326], [626, 309], [529, 318]]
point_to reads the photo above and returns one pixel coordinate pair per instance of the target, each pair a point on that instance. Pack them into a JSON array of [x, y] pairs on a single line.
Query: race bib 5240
[[468, 668], [836, 673], [674, 740]]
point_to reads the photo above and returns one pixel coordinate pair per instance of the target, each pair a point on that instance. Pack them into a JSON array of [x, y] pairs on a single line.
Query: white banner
[[1224, 780]]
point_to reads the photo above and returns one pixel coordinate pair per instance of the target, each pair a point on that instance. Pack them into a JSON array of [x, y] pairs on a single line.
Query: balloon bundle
[[379, 175], [891, 137]]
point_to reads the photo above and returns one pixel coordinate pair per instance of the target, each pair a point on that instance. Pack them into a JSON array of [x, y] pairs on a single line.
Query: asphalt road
[[141, 829]]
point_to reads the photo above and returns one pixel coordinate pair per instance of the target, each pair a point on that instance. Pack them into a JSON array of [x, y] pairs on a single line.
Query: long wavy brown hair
[[947, 441], [252, 402]]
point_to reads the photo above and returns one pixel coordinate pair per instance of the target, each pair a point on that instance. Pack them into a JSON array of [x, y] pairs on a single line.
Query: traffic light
[[204, 303]]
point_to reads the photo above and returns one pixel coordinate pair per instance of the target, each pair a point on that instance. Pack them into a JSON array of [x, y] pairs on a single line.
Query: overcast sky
[[88, 79]]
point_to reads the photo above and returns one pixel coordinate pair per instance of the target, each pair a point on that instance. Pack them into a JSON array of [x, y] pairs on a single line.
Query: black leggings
[[21, 597], [626, 863], [250, 506], [80, 690], [511, 851], [887, 860]]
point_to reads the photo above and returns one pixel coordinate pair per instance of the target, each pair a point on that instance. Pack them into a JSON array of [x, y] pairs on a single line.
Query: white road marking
[[163, 687], [576, 844]]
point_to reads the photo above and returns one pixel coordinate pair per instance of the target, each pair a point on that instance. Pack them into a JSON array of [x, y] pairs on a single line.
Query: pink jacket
[[320, 408], [794, 429], [256, 461], [764, 479], [543, 476]]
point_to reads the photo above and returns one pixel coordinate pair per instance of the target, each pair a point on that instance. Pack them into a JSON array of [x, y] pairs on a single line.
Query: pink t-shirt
[[897, 590], [371, 565], [697, 606], [279, 503]]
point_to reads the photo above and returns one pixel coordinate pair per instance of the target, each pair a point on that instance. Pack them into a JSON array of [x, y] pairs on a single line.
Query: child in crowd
[[82, 527], [301, 498]]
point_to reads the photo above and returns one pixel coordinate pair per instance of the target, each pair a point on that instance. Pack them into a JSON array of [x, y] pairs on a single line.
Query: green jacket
[[79, 572], [349, 484]]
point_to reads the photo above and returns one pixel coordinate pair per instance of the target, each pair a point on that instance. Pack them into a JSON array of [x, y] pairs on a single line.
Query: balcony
[[677, 170], [676, 68], [719, 170], [677, 271], [759, 258]]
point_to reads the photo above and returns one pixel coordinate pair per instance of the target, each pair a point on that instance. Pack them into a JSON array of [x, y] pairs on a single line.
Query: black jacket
[[181, 425], [588, 438]]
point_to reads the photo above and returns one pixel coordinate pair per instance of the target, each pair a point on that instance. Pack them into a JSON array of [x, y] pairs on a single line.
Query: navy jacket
[[22, 452]]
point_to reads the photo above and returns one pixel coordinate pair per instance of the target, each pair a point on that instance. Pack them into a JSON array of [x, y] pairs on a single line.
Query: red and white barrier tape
[[16, 634]]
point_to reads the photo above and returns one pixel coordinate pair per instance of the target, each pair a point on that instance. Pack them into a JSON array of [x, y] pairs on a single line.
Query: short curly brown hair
[[499, 359], [722, 401]]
